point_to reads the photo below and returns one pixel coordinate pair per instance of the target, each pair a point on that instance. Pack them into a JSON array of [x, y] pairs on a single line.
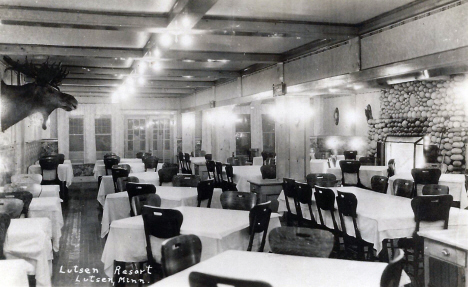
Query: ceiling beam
[[205, 56], [155, 95], [142, 90], [401, 13], [185, 14], [29, 50], [164, 73], [316, 30], [112, 83]]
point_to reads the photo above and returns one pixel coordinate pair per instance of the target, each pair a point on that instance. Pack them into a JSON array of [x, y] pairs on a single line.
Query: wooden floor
[[81, 244]]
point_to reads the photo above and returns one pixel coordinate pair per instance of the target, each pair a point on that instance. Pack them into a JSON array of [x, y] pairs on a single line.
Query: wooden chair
[[427, 208], [61, 158], [208, 156], [403, 187], [392, 273], [109, 162], [151, 162], [237, 200], [229, 184], [188, 164], [205, 192], [424, 176], [211, 169], [179, 253], [134, 189], [122, 182], [139, 154], [166, 174], [119, 171], [197, 279], [300, 241], [49, 168], [304, 196], [347, 206], [23, 195], [4, 224], [259, 218], [350, 154], [219, 174], [325, 201], [321, 179], [161, 223], [435, 189], [289, 189], [379, 183], [11, 206], [186, 180], [350, 167], [150, 199], [367, 160], [391, 168]]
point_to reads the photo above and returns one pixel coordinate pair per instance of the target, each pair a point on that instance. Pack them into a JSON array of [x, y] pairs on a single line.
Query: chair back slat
[[179, 253], [134, 189], [237, 200]]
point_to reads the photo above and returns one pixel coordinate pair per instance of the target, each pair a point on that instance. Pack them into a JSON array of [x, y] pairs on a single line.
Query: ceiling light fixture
[[186, 40], [142, 67], [188, 77], [188, 61], [186, 22], [156, 53], [166, 40], [157, 66]]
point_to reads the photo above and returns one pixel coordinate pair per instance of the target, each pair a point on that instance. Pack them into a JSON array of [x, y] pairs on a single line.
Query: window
[[243, 135], [103, 131], [76, 140], [268, 127]]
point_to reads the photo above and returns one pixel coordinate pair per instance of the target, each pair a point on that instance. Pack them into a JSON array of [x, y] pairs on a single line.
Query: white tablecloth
[[366, 172], [36, 190], [319, 165], [286, 270], [64, 171], [136, 165], [380, 216], [147, 177], [242, 174], [30, 239], [116, 205], [26, 178], [196, 160], [218, 229], [15, 272], [455, 182], [51, 208]]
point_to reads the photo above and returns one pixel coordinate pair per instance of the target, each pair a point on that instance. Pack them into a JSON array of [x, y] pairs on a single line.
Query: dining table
[[245, 173], [318, 165], [219, 230], [455, 183], [117, 205], [280, 270], [366, 172], [379, 216], [31, 239], [49, 207], [136, 165], [14, 272], [64, 172]]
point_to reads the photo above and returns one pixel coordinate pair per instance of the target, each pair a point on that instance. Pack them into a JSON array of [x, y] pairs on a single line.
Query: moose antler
[[45, 74]]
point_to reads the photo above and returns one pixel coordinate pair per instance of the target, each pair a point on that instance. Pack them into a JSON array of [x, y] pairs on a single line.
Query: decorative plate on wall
[[336, 116]]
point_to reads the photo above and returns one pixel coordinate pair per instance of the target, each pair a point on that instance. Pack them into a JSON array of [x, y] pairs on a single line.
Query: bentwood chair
[[61, 158], [379, 183], [350, 155], [289, 189], [179, 253], [188, 163], [392, 273], [160, 223], [23, 195], [119, 171], [197, 279], [237, 200], [139, 154], [150, 199], [347, 206], [424, 176], [219, 174], [166, 174], [11, 206], [208, 156], [299, 241], [205, 192], [403, 187], [435, 189], [229, 184], [181, 161], [259, 218], [186, 180], [122, 182], [321, 179], [4, 224], [350, 173], [391, 168], [49, 169], [109, 162], [325, 201], [134, 189], [427, 208], [151, 162], [304, 196], [211, 169]]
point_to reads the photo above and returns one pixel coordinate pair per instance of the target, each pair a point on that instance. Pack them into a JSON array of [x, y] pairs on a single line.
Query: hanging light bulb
[[142, 67], [186, 22], [156, 53], [166, 40], [157, 66], [186, 40]]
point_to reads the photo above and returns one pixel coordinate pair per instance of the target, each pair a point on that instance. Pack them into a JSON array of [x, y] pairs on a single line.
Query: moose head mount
[[42, 96]]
